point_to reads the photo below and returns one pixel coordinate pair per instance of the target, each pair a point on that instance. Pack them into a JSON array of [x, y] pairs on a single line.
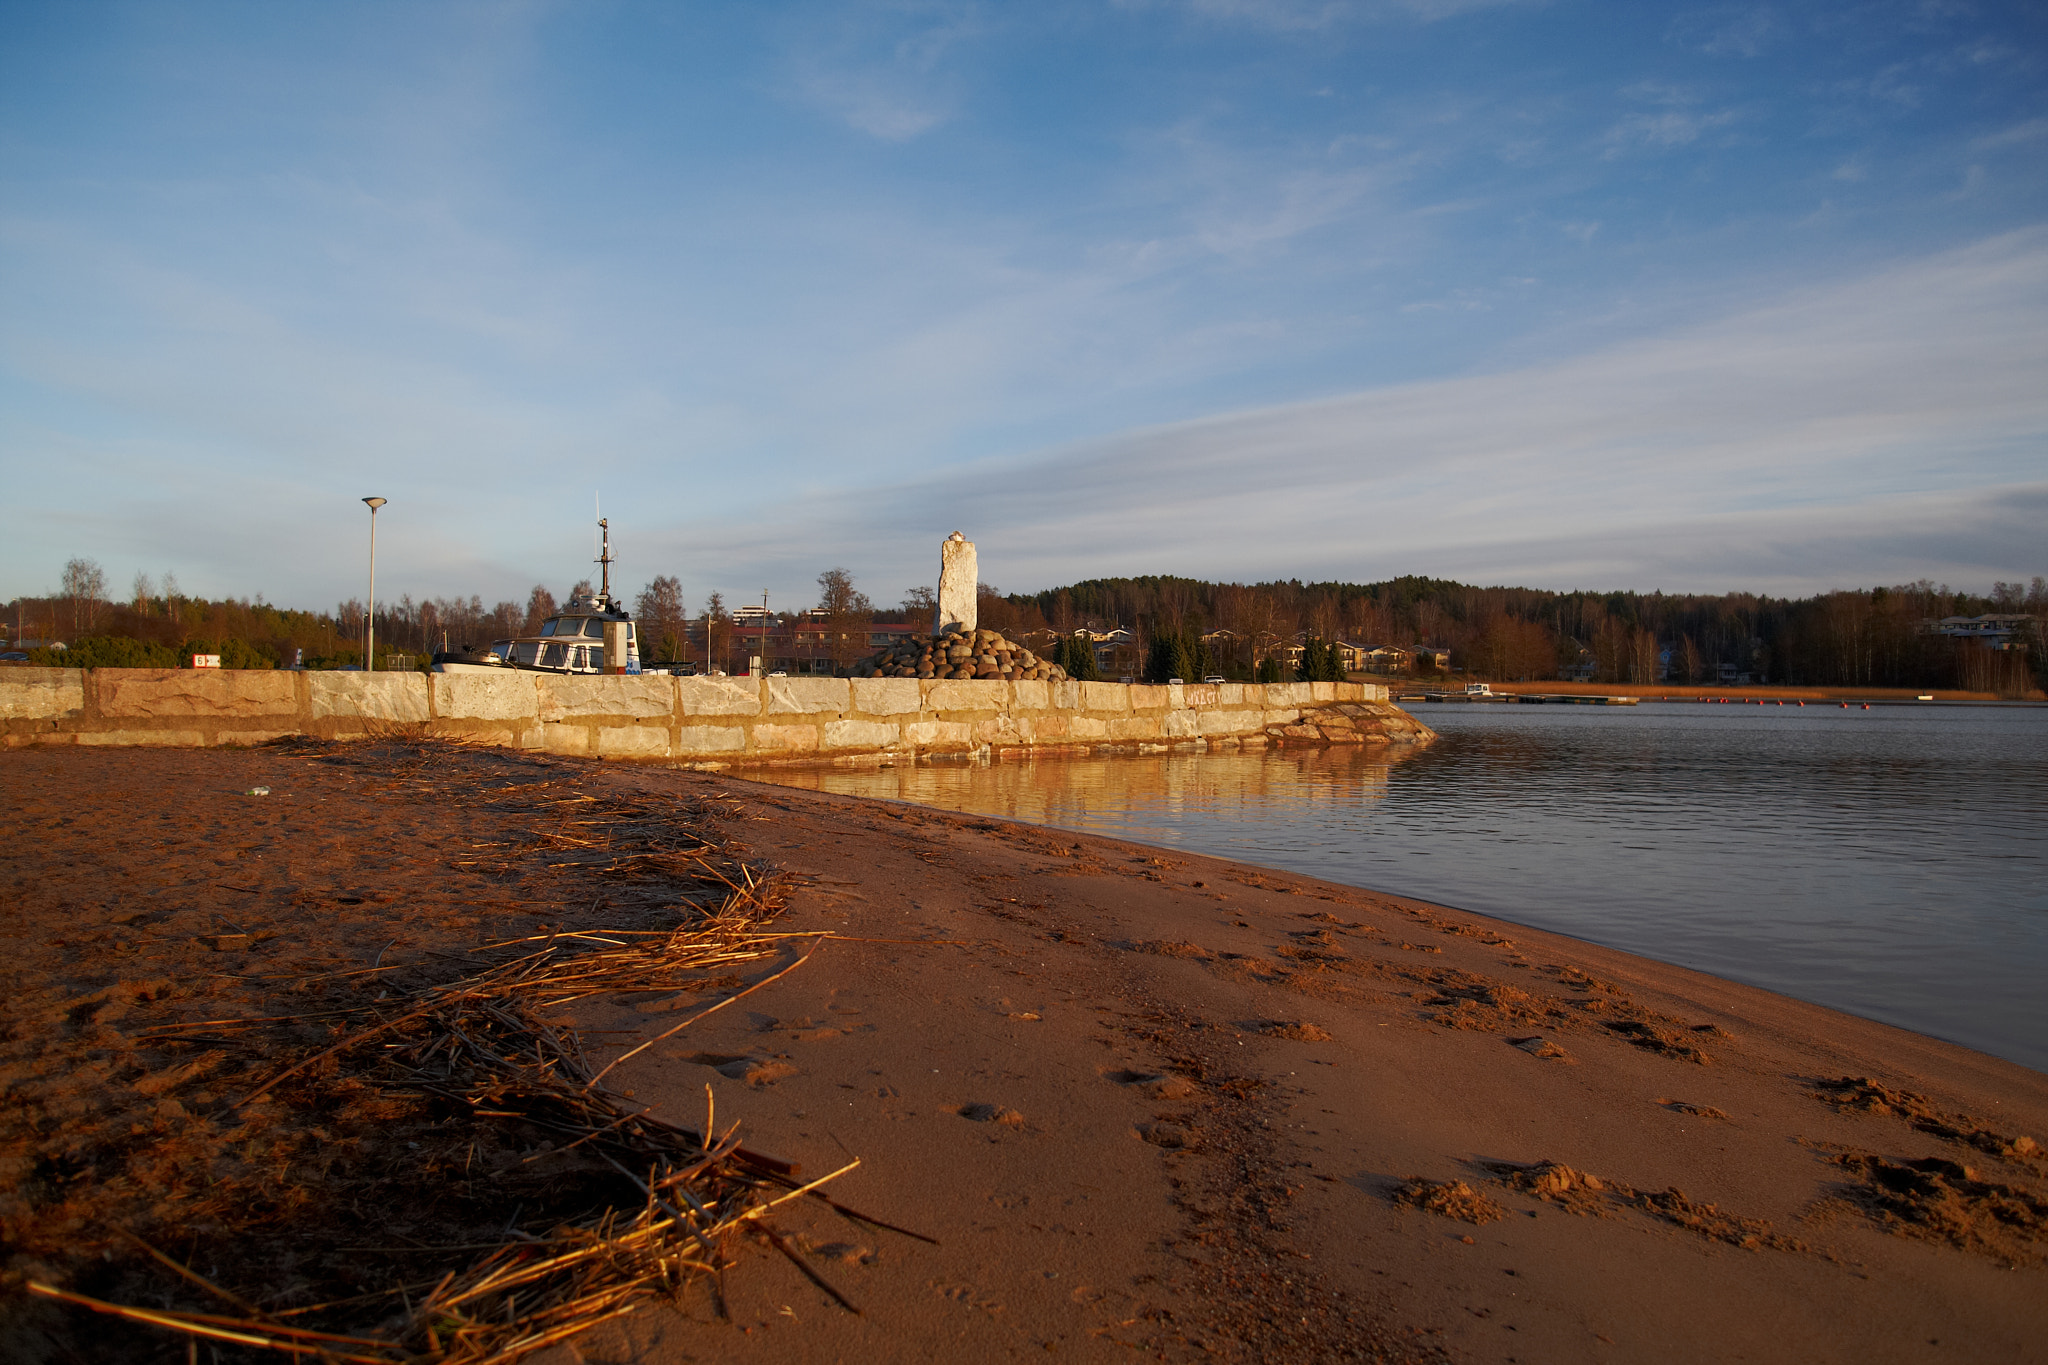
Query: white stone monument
[[957, 587]]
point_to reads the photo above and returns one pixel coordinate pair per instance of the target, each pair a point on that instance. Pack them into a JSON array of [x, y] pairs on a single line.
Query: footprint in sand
[[1156, 1085], [1299, 1031], [755, 1071], [1450, 1199], [839, 1253], [1544, 1048], [807, 1029], [991, 1113]]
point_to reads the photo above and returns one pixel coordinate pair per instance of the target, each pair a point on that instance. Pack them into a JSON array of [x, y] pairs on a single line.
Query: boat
[[576, 640]]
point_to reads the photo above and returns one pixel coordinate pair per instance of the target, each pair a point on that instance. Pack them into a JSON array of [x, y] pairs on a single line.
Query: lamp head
[[375, 503]]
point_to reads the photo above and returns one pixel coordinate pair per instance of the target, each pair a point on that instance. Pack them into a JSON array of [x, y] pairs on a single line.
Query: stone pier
[[699, 721]]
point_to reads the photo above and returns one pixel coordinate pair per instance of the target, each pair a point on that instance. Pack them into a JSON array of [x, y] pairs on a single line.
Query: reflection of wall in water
[[1065, 790]]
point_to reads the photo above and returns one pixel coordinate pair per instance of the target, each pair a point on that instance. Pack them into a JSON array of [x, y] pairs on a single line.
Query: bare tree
[[171, 596], [540, 605], [1642, 657], [85, 588], [717, 634], [847, 614], [1690, 661], [504, 621], [660, 611], [144, 590], [920, 602]]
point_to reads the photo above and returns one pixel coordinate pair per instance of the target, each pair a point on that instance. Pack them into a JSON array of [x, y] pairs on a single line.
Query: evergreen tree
[[1076, 654], [1321, 661], [1159, 658], [1178, 654]]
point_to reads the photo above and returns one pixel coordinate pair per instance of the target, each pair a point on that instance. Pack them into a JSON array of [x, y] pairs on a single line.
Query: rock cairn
[[967, 654]]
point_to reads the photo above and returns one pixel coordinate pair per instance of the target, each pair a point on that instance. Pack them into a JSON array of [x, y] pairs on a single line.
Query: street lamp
[[370, 616]]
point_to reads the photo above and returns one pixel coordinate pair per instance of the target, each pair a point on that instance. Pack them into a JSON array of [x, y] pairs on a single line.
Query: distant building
[[1389, 659], [1116, 651], [1994, 630]]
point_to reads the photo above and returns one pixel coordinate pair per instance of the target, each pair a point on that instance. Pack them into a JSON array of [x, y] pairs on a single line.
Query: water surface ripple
[[1885, 862]]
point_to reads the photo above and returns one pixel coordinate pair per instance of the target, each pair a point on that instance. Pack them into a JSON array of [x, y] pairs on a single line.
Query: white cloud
[[1665, 129], [888, 78], [2033, 130], [1316, 15], [1881, 430], [878, 103], [1727, 30]]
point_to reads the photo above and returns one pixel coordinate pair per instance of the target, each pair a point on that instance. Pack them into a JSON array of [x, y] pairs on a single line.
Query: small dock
[[1522, 698]]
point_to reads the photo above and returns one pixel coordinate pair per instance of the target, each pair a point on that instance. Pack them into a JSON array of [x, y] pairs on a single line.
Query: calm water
[[1885, 862]]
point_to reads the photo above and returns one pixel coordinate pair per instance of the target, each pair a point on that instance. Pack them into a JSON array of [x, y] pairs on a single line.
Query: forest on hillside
[[1875, 637]]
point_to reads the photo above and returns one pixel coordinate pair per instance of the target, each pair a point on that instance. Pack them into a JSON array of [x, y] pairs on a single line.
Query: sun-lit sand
[[1144, 1106]]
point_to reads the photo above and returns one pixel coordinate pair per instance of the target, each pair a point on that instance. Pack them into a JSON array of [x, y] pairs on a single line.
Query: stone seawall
[[693, 720]]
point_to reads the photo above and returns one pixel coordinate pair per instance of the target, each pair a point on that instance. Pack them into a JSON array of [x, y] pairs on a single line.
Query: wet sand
[[1148, 1106]]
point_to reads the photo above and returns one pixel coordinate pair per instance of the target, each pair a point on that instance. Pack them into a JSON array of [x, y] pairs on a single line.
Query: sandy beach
[[1117, 1105]]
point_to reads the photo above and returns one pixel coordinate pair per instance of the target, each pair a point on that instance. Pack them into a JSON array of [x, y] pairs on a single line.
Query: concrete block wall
[[693, 720]]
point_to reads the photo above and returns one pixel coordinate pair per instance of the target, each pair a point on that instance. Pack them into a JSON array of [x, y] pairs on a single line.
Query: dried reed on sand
[[634, 1208]]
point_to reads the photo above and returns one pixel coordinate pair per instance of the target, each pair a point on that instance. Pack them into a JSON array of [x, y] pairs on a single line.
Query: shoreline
[[1119, 800], [1762, 692], [1354, 1045], [1157, 1105]]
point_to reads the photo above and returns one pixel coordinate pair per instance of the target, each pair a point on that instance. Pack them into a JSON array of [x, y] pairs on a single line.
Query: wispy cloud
[[884, 69], [1673, 120], [2018, 135], [1727, 30], [1317, 15], [1887, 428]]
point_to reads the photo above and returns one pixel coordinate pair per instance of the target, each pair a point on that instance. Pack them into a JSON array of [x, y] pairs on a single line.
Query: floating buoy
[[1845, 706], [1866, 706], [1802, 703]]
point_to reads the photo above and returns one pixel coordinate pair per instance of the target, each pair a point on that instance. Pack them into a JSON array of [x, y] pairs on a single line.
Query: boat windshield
[[548, 627]]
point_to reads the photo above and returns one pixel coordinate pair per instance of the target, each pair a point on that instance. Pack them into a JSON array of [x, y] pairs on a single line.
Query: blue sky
[[1563, 294]]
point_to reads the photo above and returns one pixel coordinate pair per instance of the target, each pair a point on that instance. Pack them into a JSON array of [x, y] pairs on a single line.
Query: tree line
[[1180, 627], [1874, 637]]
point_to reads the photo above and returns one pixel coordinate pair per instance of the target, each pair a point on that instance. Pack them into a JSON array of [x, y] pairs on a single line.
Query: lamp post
[[370, 616]]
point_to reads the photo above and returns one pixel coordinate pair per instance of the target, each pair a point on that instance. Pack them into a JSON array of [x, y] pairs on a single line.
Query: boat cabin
[[572, 640]]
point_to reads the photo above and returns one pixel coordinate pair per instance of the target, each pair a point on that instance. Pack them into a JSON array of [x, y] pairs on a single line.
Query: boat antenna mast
[[604, 558]]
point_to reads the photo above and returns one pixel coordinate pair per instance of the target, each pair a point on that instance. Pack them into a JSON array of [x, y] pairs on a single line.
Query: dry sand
[[1148, 1106]]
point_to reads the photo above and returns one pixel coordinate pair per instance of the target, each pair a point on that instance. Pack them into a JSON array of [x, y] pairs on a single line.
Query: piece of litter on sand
[[257, 791]]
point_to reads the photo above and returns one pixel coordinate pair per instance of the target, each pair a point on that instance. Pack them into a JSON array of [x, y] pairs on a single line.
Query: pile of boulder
[[959, 654]]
